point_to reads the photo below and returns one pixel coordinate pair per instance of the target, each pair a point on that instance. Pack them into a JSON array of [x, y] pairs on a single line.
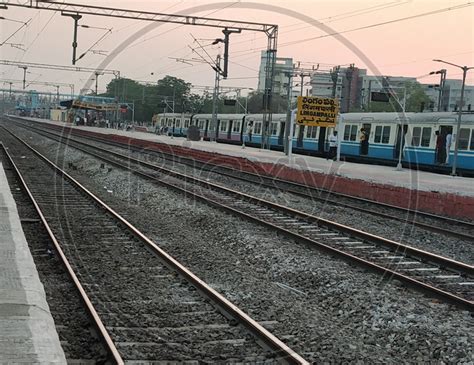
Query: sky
[[399, 48]]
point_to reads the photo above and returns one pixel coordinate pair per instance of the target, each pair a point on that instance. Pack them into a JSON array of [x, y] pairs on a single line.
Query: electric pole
[[215, 95], [97, 74], [24, 75], [76, 18]]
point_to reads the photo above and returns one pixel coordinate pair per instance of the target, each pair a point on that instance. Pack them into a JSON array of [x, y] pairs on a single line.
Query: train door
[[229, 129], [243, 129], [396, 150], [364, 144], [444, 130], [281, 134], [218, 125], [322, 140], [299, 140], [206, 128]]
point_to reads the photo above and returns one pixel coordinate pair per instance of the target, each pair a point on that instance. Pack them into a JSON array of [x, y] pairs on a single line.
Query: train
[[383, 131]]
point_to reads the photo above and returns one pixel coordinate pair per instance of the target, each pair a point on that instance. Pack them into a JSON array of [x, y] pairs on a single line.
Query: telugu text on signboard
[[317, 111]]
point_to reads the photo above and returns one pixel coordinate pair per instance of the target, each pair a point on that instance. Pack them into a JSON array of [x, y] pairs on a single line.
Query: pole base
[[399, 167]]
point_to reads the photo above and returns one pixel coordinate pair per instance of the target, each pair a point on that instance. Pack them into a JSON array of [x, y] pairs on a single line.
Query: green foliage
[[152, 99], [255, 103], [415, 97]]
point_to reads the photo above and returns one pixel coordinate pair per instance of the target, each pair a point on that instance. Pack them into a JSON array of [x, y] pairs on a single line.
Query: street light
[[441, 84], [458, 128]]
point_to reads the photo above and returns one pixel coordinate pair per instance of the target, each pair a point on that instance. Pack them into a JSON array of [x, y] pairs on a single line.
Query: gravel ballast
[[402, 232], [322, 307]]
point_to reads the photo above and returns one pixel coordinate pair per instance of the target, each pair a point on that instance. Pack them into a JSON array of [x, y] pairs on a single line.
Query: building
[[451, 96], [322, 85], [433, 92], [372, 83], [340, 82], [280, 80]]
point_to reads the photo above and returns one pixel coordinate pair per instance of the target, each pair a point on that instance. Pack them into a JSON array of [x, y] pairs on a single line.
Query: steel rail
[[412, 251], [398, 247], [284, 352], [294, 187], [115, 356]]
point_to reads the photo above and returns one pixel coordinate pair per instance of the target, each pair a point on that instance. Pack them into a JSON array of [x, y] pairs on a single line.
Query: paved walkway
[[411, 179], [27, 331]]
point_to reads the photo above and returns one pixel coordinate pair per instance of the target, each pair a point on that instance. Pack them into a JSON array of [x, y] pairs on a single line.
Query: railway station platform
[[27, 331], [426, 191]]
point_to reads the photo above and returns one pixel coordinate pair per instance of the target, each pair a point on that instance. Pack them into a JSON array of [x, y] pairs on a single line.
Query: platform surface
[[411, 179], [27, 331]]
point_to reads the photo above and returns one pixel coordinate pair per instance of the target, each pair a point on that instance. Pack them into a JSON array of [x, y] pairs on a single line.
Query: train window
[[353, 132], [274, 129], [223, 127], [426, 137], [350, 132], [415, 140], [464, 135], [472, 141], [347, 132], [386, 134], [311, 132], [378, 134], [236, 127], [186, 123], [178, 123], [257, 128]]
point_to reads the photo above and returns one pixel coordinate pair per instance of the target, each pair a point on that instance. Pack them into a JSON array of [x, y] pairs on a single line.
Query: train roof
[[410, 117], [220, 115]]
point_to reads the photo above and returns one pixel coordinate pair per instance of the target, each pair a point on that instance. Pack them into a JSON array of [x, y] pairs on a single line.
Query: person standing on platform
[[332, 146], [449, 140]]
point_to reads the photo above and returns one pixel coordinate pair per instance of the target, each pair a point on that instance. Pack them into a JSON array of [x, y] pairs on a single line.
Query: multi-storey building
[[372, 83], [451, 96], [342, 83], [283, 66]]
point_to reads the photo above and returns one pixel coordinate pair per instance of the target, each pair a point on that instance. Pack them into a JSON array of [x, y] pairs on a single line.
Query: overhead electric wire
[[139, 21], [178, 26], [97, 42], [359, 12], [238, 64], [40, 32], [15, 32], [457, 7], [438, 11], [200, 46], [212, 64]]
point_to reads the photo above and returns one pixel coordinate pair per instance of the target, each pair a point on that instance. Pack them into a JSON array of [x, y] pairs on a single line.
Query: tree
[[151, 99], [255, 103], [416, 98]]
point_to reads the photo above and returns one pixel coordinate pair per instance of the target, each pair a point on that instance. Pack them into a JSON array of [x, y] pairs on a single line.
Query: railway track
[[78, 333], [145, 303], [448, 226], [437, 275]]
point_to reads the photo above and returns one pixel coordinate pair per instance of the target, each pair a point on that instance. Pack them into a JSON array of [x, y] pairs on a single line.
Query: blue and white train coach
[[383, 131]]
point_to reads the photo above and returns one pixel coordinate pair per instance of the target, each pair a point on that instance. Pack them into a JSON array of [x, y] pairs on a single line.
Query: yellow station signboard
[[316, 111]]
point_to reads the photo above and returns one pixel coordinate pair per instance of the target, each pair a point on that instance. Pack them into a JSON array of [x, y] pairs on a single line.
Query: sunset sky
[[403, 48]]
